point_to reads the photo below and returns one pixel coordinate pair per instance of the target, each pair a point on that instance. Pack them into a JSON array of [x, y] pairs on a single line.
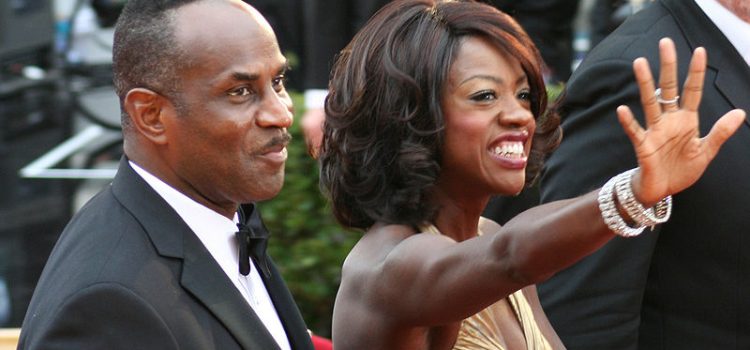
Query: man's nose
[[276, 110]]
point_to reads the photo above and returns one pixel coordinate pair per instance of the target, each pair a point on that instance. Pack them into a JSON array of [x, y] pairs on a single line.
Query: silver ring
[[659, 99]]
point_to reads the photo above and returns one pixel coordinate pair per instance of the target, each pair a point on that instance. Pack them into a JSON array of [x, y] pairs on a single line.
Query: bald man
[[159, 259]]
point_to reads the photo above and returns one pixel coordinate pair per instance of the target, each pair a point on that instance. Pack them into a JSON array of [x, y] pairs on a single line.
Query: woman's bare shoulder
[[376, 244], [392, 244]]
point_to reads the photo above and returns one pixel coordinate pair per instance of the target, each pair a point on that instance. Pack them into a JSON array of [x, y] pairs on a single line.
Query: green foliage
[[307, 243], [554, 91]]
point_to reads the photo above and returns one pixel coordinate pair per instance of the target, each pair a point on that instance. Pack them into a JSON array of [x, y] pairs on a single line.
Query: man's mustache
[[282, 139]]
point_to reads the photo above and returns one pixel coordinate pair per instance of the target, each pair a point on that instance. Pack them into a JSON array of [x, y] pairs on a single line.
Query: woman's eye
[[524, 95], [243, 91], [485, 95]]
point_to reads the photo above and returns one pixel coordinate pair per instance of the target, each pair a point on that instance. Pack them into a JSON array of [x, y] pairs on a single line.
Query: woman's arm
[[430, 280]]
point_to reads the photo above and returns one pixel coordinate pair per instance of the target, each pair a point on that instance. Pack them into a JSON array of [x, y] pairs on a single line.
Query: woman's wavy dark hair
[[384, 129]]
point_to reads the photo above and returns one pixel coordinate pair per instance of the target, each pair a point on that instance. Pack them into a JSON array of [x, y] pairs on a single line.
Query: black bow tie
[[252, 239]]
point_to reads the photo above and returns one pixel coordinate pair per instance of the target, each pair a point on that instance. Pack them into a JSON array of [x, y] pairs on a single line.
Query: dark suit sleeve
[[595, 304], [104, 316], [549, 23], [329, 26], [327, 31]]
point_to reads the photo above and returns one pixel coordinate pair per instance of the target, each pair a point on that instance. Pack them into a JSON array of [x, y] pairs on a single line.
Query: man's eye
[[243, 91], [485, 95], [279, 82]]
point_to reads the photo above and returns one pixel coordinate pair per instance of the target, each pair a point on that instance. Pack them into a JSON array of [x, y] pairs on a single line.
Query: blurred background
[[60, 137]]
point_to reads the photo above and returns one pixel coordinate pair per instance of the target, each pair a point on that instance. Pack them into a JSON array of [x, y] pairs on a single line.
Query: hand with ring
[[671, 153], [672, 102]]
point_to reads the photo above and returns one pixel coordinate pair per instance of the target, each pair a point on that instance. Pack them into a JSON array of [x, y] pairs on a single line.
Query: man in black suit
[[686, 285], [152, 261]]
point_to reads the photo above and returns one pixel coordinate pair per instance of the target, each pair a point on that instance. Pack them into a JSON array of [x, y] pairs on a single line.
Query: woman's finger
[[645, 80], [693, 88], [722, 130], [668, 76], [630, 125]]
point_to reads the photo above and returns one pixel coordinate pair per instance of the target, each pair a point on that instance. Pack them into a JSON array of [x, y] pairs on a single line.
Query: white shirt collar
[[734, 28], [216, 232]]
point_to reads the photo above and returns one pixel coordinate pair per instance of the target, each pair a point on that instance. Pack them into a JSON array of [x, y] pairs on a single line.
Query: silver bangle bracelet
[[657, 214], [610, 214]]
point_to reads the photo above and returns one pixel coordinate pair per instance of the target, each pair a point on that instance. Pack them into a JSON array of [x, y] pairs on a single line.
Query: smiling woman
[[434, 107], [482, 83]]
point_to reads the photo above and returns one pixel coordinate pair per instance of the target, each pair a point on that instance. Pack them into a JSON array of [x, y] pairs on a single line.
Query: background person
[[329, 25], [683, 285]]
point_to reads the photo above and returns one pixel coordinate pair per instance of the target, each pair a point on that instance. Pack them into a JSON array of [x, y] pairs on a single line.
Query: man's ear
[[147, 110]]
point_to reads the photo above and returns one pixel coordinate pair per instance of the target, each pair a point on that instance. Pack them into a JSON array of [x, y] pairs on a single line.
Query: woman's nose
[[516, 115]]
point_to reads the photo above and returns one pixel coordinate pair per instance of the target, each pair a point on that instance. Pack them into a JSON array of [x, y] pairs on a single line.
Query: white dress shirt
[[217, 233], [733, 27]]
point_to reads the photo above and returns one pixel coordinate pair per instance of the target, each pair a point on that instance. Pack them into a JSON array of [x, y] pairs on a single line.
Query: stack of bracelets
[[620, 186]]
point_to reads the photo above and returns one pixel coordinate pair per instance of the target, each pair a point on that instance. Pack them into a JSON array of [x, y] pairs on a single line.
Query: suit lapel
[[282, 300], [207, 282], [732, 72], [287, 310], [201, 275]]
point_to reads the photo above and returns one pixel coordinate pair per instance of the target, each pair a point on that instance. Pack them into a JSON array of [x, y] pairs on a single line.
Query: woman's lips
[[509, 149]]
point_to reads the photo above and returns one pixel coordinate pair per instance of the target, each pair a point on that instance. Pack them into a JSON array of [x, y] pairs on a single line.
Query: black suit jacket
[[329, 26], [687, 284], [549, 23], [128, 273]]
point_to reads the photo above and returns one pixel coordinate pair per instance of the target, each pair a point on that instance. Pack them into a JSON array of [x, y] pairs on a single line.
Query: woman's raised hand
[[671, 154]]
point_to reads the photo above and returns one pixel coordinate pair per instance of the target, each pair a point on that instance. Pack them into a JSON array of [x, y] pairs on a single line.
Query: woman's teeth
[[509, 150]]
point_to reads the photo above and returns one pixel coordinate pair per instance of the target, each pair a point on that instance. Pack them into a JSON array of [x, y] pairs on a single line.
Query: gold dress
[[482, 332]]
